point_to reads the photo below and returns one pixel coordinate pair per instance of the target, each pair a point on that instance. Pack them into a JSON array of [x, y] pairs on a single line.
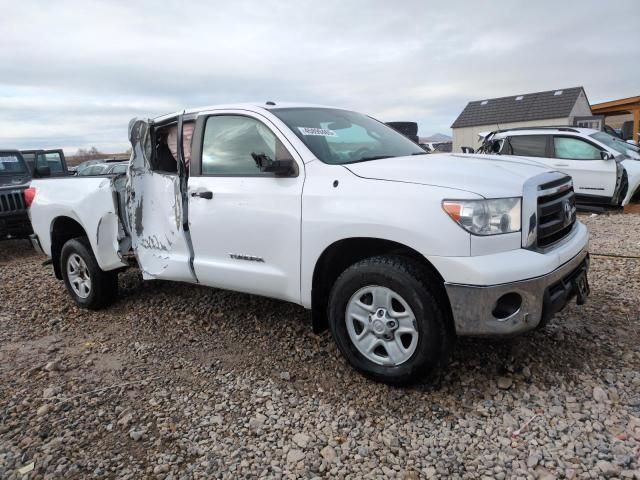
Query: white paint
[[88, 201], [633, 172], [290, 222], [156, 218], [508, 266], [252, 216]]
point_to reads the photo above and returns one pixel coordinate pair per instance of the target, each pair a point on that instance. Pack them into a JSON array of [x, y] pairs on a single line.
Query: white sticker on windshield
[[321, 132], [9, 159]]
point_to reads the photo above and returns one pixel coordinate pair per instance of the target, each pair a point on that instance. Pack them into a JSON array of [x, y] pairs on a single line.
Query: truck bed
[[94, 203]]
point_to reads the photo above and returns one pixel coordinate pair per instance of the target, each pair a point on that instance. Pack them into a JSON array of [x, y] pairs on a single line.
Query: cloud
[[73, 73]]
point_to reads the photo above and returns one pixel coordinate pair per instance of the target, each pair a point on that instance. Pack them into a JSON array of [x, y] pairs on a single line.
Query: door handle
[[205, 194], [560, 164]]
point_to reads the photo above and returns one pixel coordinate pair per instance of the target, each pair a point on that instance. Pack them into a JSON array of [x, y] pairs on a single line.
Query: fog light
[[507, 305]]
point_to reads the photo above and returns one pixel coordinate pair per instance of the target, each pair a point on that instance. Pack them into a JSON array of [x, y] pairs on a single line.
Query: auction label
[[320, 132], [9, 159]]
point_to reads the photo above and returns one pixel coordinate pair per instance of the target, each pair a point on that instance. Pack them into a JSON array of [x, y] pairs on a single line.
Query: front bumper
[[525, 304], [15, 225]]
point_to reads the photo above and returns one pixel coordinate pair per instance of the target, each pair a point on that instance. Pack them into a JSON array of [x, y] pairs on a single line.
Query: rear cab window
[[11, 163]]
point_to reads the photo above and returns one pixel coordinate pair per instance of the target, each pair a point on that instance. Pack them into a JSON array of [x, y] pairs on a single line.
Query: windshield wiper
[[373, 157], [419, 153]]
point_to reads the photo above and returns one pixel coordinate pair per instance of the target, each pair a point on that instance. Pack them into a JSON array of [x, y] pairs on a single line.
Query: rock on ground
[[179, 381]]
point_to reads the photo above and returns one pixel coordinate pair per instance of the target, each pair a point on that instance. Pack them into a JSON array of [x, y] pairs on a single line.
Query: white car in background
[[605, 169]]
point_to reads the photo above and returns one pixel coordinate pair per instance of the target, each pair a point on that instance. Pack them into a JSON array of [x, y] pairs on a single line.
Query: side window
[[118, 169], [163, 159], [526, 146], [54, 162], [231, 140], [30, 159], [187, 135], [575, 149], [41, 160], [96, 169]]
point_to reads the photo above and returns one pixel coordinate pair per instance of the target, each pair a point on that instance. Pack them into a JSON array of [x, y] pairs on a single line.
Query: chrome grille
[[548, 210], [556, 213], [11, 202]]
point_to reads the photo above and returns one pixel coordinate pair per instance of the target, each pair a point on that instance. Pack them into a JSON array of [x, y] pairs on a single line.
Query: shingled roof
[[519, 108]]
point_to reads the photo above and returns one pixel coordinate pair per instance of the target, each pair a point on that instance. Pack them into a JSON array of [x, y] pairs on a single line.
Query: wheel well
[[342, 254], [63, 229]]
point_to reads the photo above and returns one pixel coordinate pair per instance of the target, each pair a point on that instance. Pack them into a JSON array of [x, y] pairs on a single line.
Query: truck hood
[[490, 176]]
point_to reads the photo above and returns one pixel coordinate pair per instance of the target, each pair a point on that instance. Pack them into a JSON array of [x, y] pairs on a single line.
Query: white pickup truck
[[396, 251]]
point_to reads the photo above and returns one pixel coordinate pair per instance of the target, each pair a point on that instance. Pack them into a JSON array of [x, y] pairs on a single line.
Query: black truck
[[54, 159], [15, 177]]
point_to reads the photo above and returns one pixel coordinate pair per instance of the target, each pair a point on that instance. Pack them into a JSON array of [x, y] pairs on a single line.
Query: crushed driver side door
[[155, 211]]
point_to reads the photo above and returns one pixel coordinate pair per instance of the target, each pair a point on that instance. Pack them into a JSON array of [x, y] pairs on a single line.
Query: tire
[[418, 354], [77, 264]]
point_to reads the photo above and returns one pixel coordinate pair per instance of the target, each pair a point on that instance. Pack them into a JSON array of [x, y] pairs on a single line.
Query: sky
[[73, 73]]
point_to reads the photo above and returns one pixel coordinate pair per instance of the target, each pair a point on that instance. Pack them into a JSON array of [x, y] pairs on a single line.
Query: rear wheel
[[89, 286], [387, 319]]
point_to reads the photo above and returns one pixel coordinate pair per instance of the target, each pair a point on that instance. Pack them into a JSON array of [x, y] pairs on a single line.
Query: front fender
[[404, 213]]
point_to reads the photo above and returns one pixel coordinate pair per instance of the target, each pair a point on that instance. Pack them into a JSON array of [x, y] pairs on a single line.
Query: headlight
[[485, 217]]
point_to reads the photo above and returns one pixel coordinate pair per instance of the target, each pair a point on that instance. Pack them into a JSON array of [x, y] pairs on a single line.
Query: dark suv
[[14, 180]]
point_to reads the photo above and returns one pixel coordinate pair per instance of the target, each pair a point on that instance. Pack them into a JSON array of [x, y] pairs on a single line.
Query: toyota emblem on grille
[[567, 212]]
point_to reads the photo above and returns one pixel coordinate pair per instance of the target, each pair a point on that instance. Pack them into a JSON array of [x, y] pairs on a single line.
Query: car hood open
[[490, 176]]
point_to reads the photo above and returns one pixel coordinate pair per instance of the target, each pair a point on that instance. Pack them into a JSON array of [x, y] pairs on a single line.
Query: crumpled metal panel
[[154, 229]]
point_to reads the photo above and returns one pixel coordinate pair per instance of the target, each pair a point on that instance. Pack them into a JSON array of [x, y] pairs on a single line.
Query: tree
[[89, 154]]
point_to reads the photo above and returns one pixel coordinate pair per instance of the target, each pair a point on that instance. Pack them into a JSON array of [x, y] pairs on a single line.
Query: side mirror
[[468, 150], [606, 155], [281, 168], [43, 172]]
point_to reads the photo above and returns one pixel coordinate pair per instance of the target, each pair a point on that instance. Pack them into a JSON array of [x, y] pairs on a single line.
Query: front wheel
[[387, 319], [89, 286]]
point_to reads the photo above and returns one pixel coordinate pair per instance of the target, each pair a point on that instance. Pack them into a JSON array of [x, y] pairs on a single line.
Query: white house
[[555, 107]]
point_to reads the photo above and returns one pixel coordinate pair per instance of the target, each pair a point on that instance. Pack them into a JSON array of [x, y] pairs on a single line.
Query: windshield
[[618, 145], [340, 136], [11, 164]]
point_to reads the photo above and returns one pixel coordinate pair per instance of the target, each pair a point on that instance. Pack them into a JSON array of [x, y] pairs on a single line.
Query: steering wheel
[[359, 153]]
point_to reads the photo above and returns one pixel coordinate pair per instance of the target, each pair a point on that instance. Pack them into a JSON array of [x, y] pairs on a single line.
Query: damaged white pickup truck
[[397, 251]]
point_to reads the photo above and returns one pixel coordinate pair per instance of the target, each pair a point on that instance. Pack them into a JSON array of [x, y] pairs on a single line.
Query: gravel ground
[[178, 381]]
